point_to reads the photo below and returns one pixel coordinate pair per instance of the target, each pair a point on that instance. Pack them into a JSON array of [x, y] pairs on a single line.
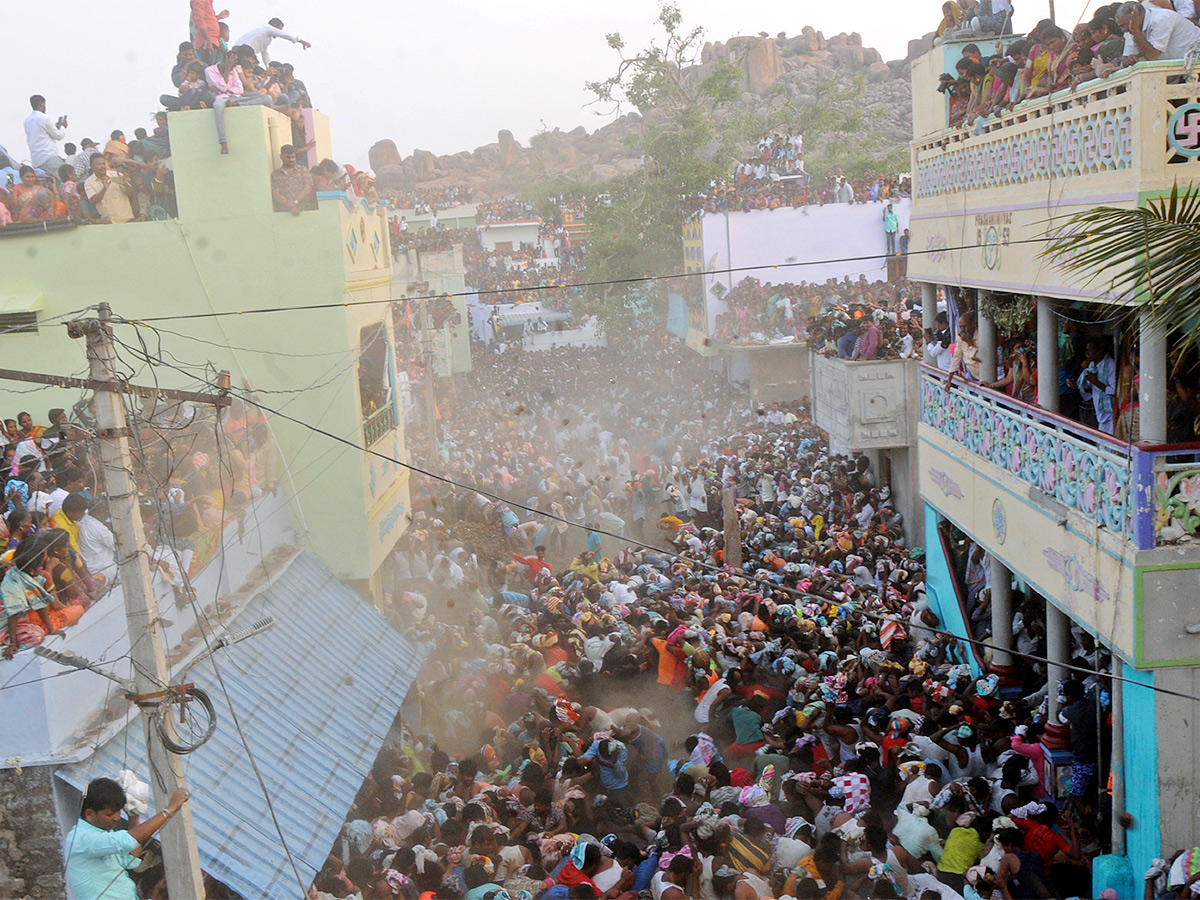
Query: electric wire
[[612, 282], [671, 553]]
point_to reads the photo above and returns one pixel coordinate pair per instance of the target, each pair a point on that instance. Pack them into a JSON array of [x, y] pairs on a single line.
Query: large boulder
[[423, 163], [384, 154], [763, 65], [510, 150]]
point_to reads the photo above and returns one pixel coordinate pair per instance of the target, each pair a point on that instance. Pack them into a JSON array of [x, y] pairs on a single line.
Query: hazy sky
[[444, 75]]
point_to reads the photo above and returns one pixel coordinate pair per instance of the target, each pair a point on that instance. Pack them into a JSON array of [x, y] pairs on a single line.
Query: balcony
[[986, 195], [865, 405], [1081, 469], [378, 424], [1106, 529]]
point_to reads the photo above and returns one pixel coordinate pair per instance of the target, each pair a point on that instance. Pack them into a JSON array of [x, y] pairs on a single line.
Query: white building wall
[[833, 238]]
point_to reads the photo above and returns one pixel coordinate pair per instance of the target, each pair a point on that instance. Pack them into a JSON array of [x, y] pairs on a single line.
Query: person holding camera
[[43, 136]]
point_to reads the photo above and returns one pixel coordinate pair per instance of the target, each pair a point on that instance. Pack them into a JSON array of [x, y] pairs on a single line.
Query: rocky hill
[[775, 70]]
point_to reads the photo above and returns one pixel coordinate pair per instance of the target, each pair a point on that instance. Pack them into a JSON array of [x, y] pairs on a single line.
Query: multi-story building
[[225, 255], [316, 695], [1091, 527], [814, 243]]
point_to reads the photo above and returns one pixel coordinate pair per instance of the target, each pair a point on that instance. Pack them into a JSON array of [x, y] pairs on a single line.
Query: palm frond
[[1147, 258]]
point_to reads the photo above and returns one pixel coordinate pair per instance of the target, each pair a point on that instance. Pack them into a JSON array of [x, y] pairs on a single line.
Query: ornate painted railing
[[1077, 471], [378, 424], [1176, 496], [1145, 118]]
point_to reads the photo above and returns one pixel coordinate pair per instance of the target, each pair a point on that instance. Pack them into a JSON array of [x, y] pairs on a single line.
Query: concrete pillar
[[1058, 651], [1047, 355], [928, 314], [1002, 613], [986, 339], [1152, 389]]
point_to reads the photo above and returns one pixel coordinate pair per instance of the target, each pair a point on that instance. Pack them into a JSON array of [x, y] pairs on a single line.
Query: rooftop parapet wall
[[985, 198]]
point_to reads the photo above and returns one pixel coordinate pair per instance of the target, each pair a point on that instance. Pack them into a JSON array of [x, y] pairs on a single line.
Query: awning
[[316, 696], [21, 303], [521, 316]]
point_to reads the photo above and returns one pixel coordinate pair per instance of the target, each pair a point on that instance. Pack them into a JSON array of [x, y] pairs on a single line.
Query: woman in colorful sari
[[32, 201], [31, 610], [1050, 61]]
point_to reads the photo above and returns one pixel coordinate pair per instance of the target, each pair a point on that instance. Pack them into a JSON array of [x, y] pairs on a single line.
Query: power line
[[201, 614], [612, 282], [671, 553]]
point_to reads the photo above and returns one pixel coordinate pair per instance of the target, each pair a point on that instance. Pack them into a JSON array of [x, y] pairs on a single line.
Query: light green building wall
[[230, 252]]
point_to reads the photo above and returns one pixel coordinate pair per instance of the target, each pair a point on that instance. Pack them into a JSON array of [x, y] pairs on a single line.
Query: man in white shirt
[[74, 481], [260, 39], [97, 546], [1152, 32], [43, 136]]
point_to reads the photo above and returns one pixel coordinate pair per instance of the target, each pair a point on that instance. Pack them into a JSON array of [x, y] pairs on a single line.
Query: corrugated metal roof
[[316, 696]]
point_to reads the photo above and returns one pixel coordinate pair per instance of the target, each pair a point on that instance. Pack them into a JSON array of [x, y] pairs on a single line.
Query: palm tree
[[1147, 258]]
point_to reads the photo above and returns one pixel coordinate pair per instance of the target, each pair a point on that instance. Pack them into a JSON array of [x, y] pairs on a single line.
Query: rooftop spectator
[[1152, 32], [43, 136], [292, 184], [109, 191], [260, 38], [206, 30], [35, 198], [185, 56], [225, 81]]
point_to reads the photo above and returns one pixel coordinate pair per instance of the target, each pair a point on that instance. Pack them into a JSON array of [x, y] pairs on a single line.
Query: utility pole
[[733, 528], [151, 672]]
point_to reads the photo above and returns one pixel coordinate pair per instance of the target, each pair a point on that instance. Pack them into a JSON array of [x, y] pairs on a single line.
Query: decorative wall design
[[948, 485], [1077, 473], [1079, 142], [1176, 505]]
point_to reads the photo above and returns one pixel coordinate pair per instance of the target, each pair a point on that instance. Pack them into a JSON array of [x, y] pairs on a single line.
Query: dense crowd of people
[[1051, 58], [430, 199], [505, 209], [59, 556], [744, 193], [620, 710], [525, 273], [869, 321], [822, 315]]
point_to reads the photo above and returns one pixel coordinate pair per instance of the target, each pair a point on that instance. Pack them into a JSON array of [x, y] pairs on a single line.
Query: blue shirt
[[613, 774], [97, 861]]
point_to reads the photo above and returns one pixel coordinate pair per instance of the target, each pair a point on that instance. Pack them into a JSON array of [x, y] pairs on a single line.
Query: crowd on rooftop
[[430, 199], [59, 556], [132, 180], [744, 193], [1051, 58], [822, 315], [505, 209], [528, 272], [621, 711], [868, 321]]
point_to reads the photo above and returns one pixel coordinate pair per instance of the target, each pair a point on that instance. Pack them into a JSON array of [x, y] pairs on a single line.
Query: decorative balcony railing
[[1071, 466], [1176, 495], [378, 424], [1145, 118]]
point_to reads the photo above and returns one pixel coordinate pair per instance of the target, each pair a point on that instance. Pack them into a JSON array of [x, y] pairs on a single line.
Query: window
[[18, 323], [375, 389]]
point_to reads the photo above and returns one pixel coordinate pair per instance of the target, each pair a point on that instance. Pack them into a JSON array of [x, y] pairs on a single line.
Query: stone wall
[[30, 841]]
